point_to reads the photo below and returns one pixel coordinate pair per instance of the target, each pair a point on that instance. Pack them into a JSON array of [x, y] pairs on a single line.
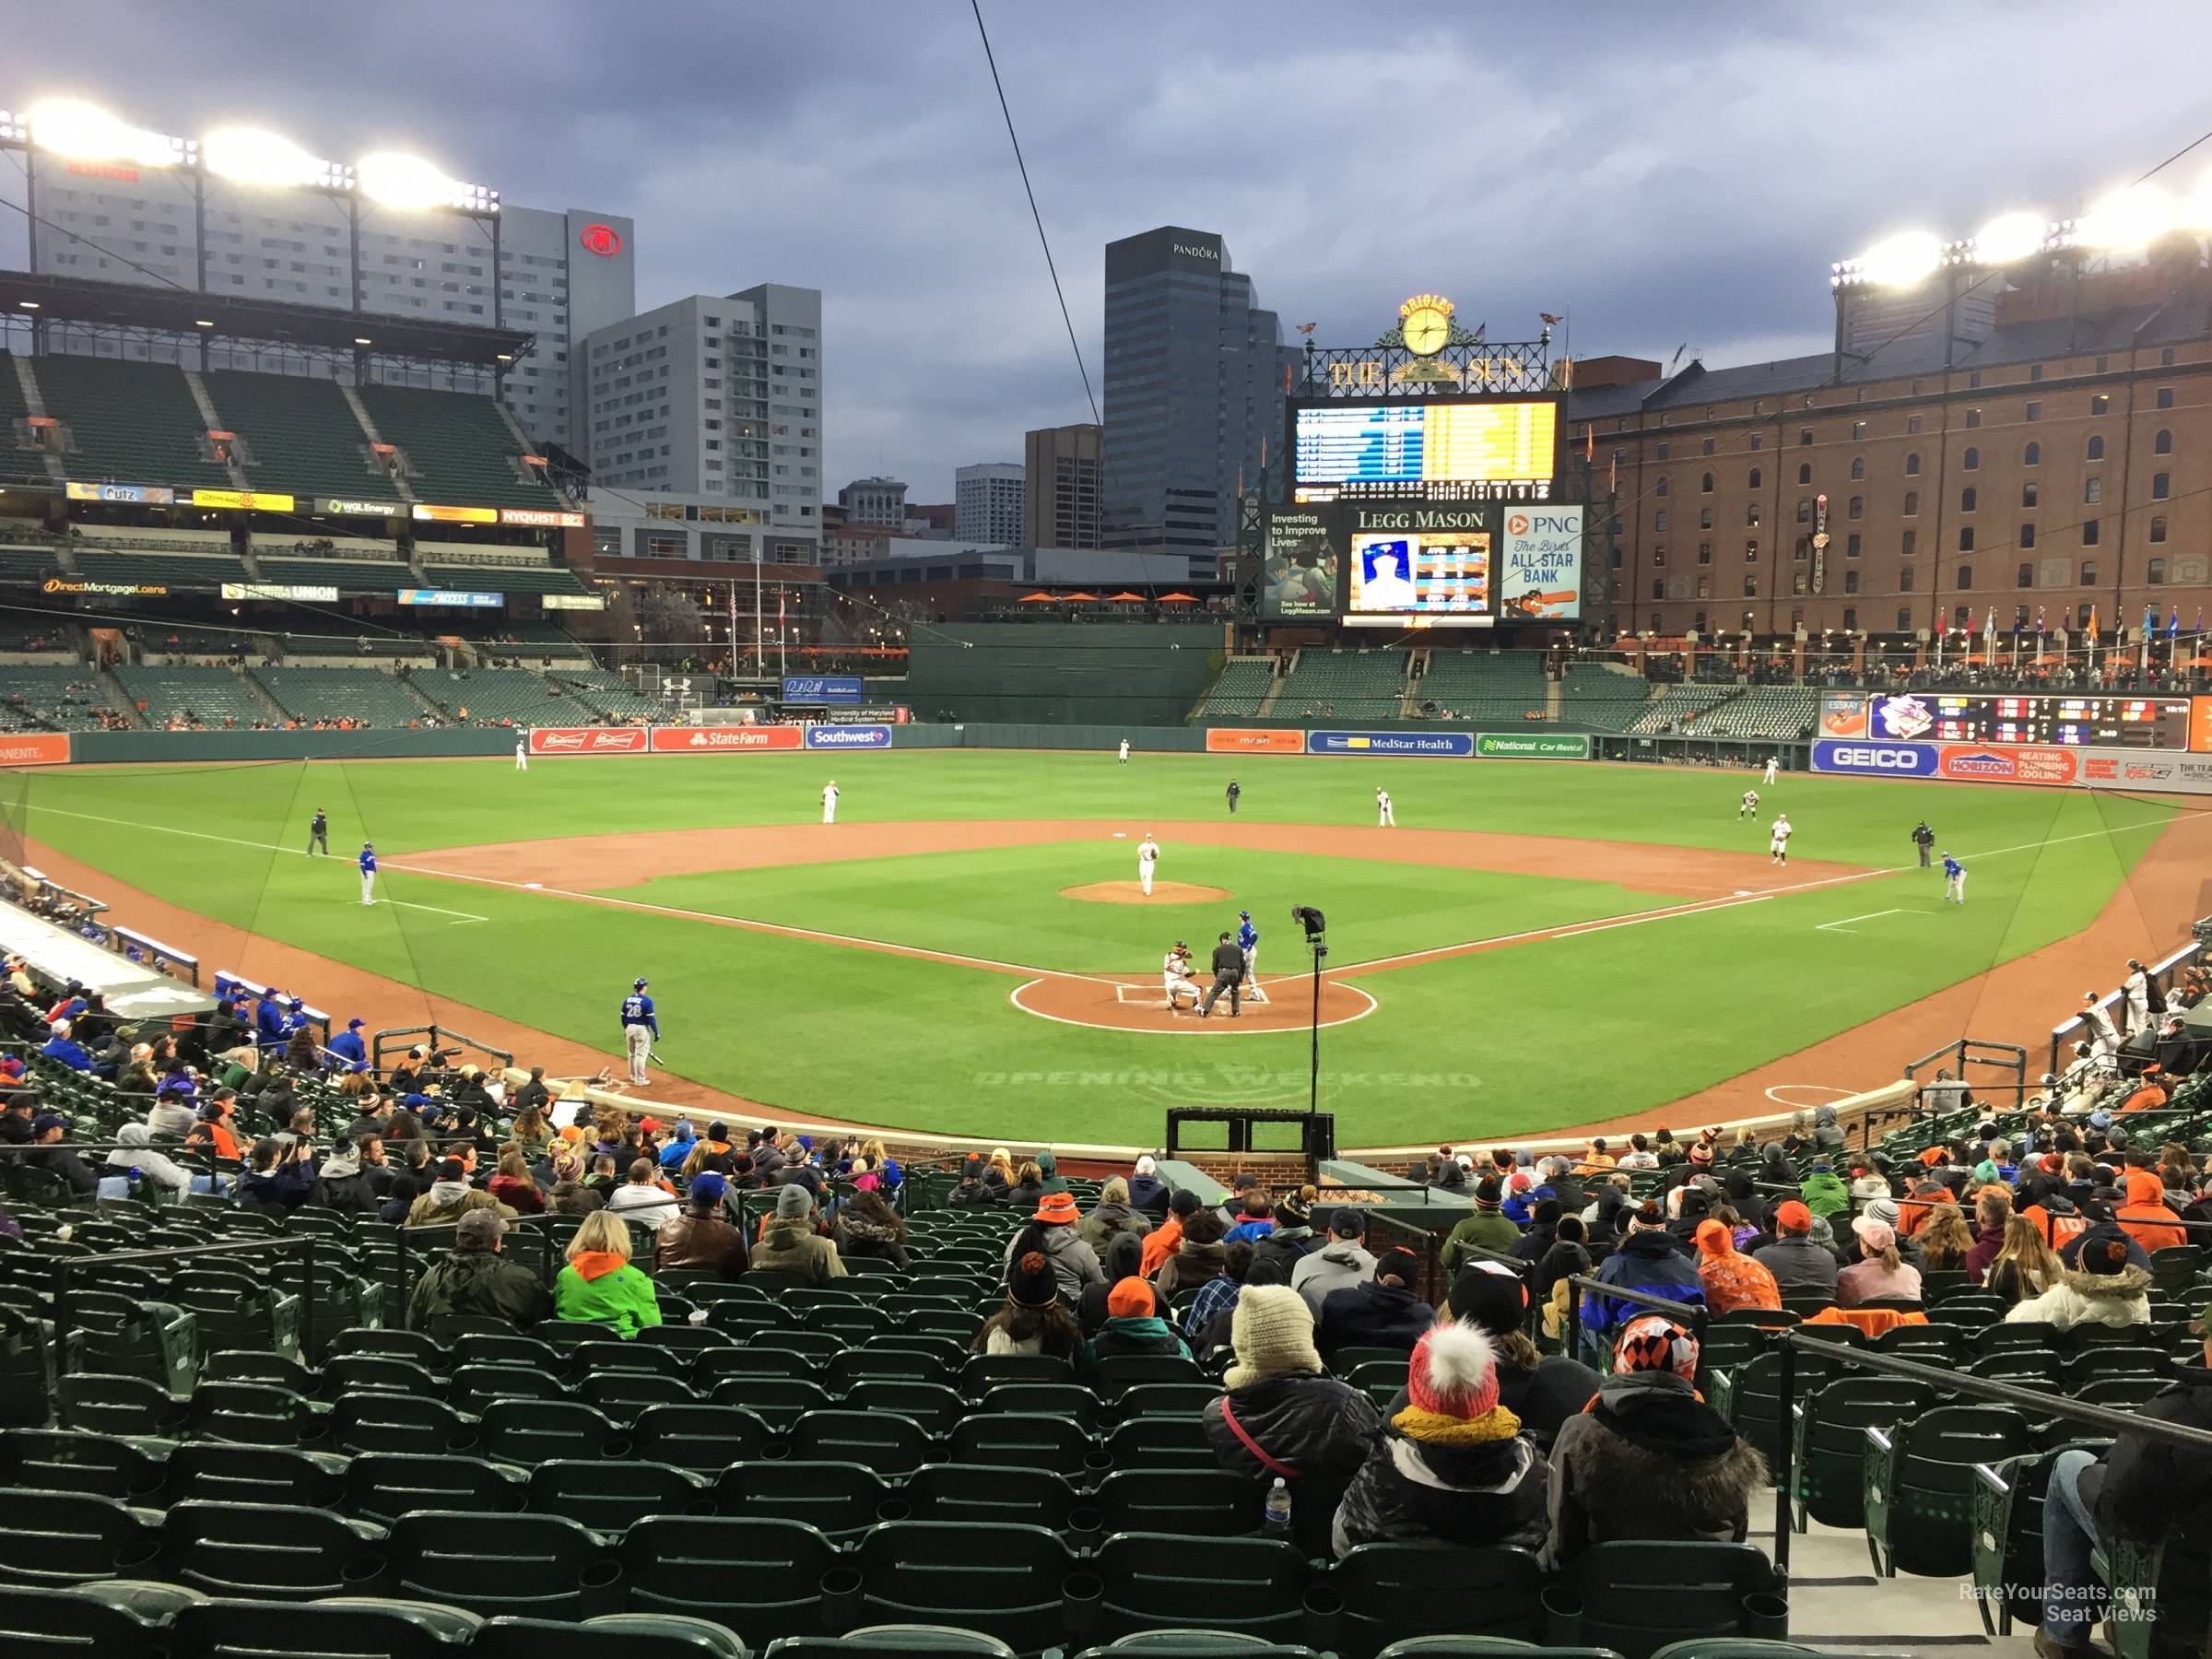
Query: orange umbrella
[[1177, 599], [1034, 599], [1124, 598], [1076, 598]]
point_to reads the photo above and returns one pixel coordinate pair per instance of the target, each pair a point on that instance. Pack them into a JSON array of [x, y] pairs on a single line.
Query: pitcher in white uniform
[[1147, 858], [829, 802]]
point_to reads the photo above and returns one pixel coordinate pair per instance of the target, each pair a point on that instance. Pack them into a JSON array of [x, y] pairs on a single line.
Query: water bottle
[[1278, 1510]]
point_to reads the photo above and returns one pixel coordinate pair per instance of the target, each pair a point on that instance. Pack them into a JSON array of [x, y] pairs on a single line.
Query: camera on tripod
[[1316, 926]]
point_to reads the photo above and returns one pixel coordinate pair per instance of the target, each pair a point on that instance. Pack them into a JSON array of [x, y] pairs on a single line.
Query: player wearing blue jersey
[[640, 1029], [1248, 941], [1954, 880], [368, 864]]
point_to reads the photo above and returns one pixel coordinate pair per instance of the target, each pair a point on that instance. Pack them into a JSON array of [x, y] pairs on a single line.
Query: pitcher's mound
[[1129, 892]]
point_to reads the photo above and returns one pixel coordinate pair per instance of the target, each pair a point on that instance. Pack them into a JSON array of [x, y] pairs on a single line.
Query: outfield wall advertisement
[[725, 740], [1415, 745], [1518, 746], [1230, 740], [846, 736], [2034, 765]]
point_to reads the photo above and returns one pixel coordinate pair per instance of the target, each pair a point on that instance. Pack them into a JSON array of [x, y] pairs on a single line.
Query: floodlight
[[251, 156], [405, 182], [2130, 219], [1905, 260], [83, 132], [2010, 238]]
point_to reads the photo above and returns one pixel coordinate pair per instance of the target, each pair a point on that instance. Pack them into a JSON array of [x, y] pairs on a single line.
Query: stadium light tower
[[255, 159]]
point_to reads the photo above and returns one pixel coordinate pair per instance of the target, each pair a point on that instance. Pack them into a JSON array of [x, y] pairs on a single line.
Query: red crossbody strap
[[1253, 1446]]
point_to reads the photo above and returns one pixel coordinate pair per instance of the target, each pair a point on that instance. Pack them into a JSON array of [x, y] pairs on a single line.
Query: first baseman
[[829, 802], [1778, 845], [1954, 880], [640, 1029], [1175, 970], [368, 864], [1385, 818], [1148, 856]]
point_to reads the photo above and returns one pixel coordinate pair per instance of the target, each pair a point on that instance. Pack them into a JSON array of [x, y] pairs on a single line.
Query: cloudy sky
[[1676, 175]]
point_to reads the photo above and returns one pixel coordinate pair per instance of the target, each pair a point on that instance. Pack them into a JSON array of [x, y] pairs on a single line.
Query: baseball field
[[1538, 945]]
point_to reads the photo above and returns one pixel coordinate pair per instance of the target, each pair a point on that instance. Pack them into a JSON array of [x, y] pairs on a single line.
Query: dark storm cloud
[[1678, 174]]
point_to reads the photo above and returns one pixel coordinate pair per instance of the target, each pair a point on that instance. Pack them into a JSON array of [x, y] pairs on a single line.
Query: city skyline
[[1660, 203]]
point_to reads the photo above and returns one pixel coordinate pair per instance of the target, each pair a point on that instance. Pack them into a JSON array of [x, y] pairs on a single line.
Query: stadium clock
[[1426, 323]]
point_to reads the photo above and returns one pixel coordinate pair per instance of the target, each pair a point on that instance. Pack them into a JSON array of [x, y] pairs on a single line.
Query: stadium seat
[[699, 1436], [379, 1421], [384, 1486], [1399, 1592], [1070, 1400], [1005, 1581], [61, 1460], [778, 1402], [1111, 1377], [632, 1635], [59, 1538], [1023, 1439], [881, 1440], [529, 1431], [1638, 1597], [978, 1492], [762, 1576], [623, 1394], [934, 1407], [1919, 1481], [272, 1551], [120, 1405], [894, 1639], [1200, 1502], [1248, 1586], [1829, 1443], [608, 1495], [527, 1565], [985, 1372], [1159, 1442], [81, 1623], [224, 1472], [340, 1628]]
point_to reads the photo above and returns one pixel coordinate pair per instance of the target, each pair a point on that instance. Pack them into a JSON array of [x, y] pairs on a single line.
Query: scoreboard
[[2146, 722], [1433, 451]]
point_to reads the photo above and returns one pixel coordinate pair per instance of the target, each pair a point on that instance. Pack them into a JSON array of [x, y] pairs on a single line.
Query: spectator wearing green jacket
[[1824, 1192], [599, 1285], [1487, 1229]]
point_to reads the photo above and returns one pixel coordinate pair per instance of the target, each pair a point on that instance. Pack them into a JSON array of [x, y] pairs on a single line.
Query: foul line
[[1838, 925]]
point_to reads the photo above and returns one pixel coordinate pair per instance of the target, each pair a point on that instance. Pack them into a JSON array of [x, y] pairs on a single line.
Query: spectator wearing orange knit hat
[[1732, 1279], [1133, 1327], [1649, 1459], [1453, 1466]]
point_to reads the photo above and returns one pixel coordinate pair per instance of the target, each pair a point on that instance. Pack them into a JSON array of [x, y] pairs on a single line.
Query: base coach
[[1228, 973]]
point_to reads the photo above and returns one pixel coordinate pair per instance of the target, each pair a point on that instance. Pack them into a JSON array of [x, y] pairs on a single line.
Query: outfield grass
[[1595, 1025]]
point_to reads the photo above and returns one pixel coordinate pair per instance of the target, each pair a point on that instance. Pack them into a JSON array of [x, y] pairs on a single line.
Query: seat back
[[268, 1551], [527, 1565], [1399, 1592], [1005, 1581], [1248, 1586], [763, 1576], [1638, 1597]]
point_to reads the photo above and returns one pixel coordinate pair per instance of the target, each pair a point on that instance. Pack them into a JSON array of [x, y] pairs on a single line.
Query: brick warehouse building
[[2043, 450]]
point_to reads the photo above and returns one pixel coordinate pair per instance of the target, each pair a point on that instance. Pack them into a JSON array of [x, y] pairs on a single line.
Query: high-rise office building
[[879, 501], [1060, 486], [714, 397], [986, 504], [1193, 383], [561, 274]]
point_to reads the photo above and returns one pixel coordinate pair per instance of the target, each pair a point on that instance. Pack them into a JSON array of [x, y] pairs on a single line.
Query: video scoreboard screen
[[1408, 579], [2149, 722], [1438, 450]]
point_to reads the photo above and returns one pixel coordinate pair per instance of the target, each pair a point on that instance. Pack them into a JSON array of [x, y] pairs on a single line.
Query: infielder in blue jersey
[[640, 1029], [1954, 880], [368, 862], [1248, 941]]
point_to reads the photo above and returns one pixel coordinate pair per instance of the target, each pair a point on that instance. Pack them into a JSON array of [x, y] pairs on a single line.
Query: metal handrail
[[1788, 1341], [1694, 1313]]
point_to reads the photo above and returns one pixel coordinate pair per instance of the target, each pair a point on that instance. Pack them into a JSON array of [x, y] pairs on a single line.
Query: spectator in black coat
[[1379, 1313], [48, 1129]]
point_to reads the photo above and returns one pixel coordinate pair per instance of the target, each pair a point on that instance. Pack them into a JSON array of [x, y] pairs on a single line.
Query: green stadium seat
[[633, 1635], [975, 1492], [1828, 1454], [700, 1436], [1023, 1439], [623, 1394], [777, 1401], [1200, 1502], [763, 1576], [835, 1499], [104, 1403], [340, 1628], [985, 1372], [270, 1551], [1247, 1586], [1070, 1400], [1005, 1581], [1399, 1592], [529, 1431], [527, 1566], [61, 1460], [459, 447], [1638, 1597], [608, 1495], [935, 1409], [379, 1421], [127, 421], [227, 1473], [1159, 1442], [474, 1387], [1920, 1485], [384, 1486], [55, 1540], [881, 1440], [78, 1622], [894, 1639]]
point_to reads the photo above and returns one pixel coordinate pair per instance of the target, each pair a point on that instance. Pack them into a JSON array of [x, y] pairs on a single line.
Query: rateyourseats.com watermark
[[2092, 1602]]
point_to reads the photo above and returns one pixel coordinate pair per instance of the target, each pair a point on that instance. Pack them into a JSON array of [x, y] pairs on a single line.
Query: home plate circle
[[1131, 1003]]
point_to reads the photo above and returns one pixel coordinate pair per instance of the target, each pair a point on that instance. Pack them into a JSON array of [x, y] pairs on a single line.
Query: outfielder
[[1773, 766], [1749, 807], [1954, 880], [1176, 971], [1248, 941], [318, 832], [1124, 760], [640, 1029], [829, 802], [368, 864], [1385, 818], [1779, 843], [1147, 857], [522, 752]]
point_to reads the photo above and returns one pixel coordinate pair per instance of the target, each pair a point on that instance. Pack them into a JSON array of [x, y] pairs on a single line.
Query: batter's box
[[1156, 997]]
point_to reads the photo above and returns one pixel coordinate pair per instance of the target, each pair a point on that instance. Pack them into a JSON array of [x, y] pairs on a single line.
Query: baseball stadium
[[557, 1094]]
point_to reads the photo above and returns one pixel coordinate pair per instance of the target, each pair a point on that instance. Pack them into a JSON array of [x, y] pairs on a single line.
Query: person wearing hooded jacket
[[1112, 1215], [1824, 1192], [1283, 1418], [1051, 1230], [1485, 1228], [599, 1285], [790, 1243], [2147, 1218], [1649, 1459], [1453, 1466], [136, 1152], [355, 1177], [1828, 1134], [1049, 1167], [2105, 1288], [1342, 1261], [476, 1279], [1650, 1260], [1133, 1327], [1732, 1279], [1198, 1255], [1378, 1312], [1292, 1239], [1124, 1259]]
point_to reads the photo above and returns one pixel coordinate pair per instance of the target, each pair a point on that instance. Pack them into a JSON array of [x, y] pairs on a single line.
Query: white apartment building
[[717, 399], [986, 504]]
